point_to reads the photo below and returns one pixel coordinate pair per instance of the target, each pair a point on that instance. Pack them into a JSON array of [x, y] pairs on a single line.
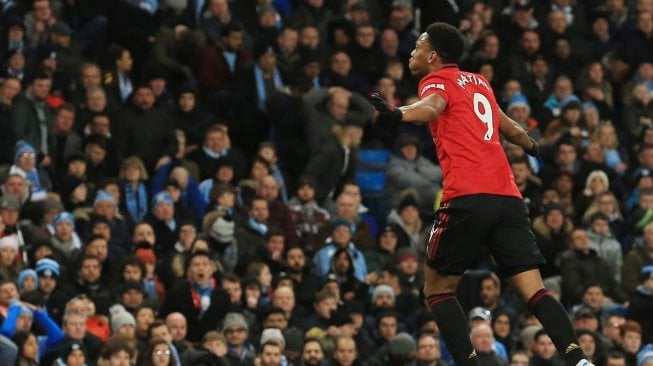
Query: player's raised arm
[[515, 134], [420, 112]]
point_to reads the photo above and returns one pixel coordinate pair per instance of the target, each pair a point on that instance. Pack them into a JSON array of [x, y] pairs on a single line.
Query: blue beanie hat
[[24, 273], [518, 100], [47, 267], [569, 100], [589, 104], [22, 147], [160, 198], [645, 355], [24, 310], [103, 195], [64, 217]]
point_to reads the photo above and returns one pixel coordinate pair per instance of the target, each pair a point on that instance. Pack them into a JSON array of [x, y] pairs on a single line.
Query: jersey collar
[[447, 66]]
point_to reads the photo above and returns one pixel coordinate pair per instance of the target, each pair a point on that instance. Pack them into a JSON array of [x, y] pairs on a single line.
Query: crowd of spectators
[[178, 180]]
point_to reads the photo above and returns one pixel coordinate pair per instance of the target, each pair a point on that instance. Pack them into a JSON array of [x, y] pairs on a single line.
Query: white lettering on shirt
[[431, 86], [470, 78]]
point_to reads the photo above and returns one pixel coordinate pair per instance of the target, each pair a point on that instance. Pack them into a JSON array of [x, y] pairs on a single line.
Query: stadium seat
[[373, 160]]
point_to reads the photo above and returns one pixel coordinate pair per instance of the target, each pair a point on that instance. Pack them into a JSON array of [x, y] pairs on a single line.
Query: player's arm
[[421, 112], [424, 110], [515, 134]]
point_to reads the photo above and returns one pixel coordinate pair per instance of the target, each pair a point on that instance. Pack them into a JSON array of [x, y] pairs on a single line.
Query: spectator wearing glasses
[[236, 332], [428, 350], [159, 354]]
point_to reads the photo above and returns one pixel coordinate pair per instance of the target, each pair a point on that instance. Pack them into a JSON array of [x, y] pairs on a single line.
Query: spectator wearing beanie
[[645, 356], [105, 205], [407, 215], [28, 280], [407, 262], [29, 313], [405, 301], [25, 164], [48, 273], [383, 302], [65, 239], [72, 353], [153, 286], [164, 222], [10, 266], [122, 321], [235, 331], [391, 239]]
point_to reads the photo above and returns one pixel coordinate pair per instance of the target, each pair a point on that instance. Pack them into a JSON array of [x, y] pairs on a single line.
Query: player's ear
[[432, 56]]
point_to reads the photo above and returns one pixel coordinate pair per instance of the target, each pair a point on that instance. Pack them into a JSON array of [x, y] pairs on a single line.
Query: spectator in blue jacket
[[340, 238], [20, 317]]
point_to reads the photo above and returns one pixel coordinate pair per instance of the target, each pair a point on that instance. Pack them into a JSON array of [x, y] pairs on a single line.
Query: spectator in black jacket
[[335, 162], [199, 299], [146, 131], [582, 266]]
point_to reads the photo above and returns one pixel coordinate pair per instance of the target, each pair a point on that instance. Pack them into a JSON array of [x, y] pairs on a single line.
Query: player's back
[[466, 135]]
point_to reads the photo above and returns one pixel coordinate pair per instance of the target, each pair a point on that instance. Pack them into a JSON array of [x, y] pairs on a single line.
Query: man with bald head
[[178, 327], [482, 338], [284, 299], [329, 107], [345, 353]]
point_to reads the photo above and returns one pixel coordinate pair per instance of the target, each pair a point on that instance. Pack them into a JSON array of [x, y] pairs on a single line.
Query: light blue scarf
[[136, 201], [260, 84], [260, 228], [212, 154]]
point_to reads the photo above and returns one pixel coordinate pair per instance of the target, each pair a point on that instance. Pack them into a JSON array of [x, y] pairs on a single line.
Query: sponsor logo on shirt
[[431, 86]]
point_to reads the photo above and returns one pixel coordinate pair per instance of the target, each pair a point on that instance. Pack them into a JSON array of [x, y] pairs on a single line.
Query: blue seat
[[371, 181], [374, 160]]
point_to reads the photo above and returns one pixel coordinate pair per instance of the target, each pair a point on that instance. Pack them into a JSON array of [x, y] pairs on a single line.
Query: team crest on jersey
[[431, 86]]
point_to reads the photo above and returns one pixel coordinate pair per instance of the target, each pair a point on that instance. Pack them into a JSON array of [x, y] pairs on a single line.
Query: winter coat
[[420, 174], [580, 269], [636, 258], [608, 249]]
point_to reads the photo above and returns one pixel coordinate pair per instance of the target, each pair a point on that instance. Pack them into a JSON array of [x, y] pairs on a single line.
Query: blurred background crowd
[[204, 182]]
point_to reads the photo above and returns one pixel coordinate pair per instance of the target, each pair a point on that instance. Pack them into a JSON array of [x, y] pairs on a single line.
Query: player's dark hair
[[447, 41]]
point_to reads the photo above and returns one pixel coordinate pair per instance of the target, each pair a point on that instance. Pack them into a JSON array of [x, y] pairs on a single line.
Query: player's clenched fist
[[386, 109]]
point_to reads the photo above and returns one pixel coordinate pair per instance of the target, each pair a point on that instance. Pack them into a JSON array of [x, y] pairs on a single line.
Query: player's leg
[[550, 313], [440, 293], [513, 246], [453, 244]]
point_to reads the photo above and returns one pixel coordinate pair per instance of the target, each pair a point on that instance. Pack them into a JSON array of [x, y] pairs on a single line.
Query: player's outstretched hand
[[534, 151], [386, 109]]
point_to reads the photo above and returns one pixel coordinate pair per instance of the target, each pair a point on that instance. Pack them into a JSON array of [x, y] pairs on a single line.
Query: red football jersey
[[466, 135]]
